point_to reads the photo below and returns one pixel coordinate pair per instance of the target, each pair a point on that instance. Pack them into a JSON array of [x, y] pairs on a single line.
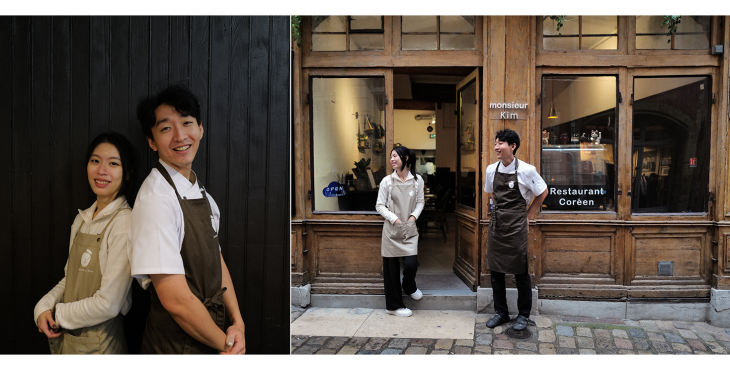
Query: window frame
[[307, 115], [619, 194], [438, 34], [713, 166], [621, 47]]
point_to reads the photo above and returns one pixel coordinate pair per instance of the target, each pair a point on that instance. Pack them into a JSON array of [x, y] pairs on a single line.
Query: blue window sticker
[[334, 189]]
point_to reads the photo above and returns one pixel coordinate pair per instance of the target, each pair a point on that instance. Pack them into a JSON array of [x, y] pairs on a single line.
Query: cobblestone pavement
[[550, 335]]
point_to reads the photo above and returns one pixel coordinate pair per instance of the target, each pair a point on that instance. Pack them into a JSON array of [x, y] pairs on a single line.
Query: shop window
[[438, 32], [693, 32], [578, 142], [671, 144], [347, 33], [348, 142], [580, 33]]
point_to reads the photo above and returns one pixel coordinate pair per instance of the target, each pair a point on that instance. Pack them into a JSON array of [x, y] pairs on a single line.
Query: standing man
[[174, 239], [513, 185]]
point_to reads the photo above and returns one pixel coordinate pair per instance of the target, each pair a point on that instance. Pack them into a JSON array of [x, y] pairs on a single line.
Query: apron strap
[[216, 299], [112, 219]]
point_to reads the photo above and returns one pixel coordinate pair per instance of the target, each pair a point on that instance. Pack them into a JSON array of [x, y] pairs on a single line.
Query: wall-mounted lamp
[[426, 117]]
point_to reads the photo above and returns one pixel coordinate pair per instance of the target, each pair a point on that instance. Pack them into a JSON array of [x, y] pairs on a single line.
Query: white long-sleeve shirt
[[384, 195], [114, 295]]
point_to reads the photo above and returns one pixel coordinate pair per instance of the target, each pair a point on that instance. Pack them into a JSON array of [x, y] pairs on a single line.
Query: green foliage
[[363, 164], [296, 33], [671, 21], [559, 19]]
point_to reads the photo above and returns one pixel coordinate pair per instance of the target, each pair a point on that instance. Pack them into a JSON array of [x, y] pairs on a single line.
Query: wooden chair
[[436, 214]]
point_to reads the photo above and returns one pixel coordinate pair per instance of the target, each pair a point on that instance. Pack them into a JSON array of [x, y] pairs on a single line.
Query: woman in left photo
[[83, 313]]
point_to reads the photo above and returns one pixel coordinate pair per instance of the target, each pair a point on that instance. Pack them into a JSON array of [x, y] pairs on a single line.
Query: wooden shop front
[[627, 125]]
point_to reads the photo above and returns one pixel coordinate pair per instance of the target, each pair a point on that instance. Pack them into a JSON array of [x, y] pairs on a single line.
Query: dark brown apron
[[202, 262], [507, 248], [83, 280]]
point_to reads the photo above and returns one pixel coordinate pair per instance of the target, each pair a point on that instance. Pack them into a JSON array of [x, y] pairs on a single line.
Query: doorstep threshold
[[461, 299]]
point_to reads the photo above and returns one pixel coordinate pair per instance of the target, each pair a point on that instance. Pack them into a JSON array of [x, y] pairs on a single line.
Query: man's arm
[[237, 328], [188, 311], [536, 203]]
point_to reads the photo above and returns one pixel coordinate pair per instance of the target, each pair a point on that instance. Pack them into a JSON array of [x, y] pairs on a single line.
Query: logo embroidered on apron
[[511, 184], [85, 258]]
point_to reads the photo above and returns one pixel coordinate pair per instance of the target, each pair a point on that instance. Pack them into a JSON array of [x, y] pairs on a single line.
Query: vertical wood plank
[[517, 62], [180, 50], [7, 267], [159, 53], [255, 255], [139, 88], [80, 81], [22, 134], [62, 212], [218, 127], [99, 118], [41, 125], [119, 78], [276, 200], [237, 167], [199, 85]]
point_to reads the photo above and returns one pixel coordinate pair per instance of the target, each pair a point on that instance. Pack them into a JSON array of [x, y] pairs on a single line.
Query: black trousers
[[391, 278], [524, 294]]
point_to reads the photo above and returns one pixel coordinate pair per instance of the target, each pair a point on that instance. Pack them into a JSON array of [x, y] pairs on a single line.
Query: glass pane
[[457, 23], [419, 42], [671, 145], [360, 22], [329, 24], [694, 24], [325, 42], [653, 42], [457, 42], [602, 25], [365, 41], [600, 43], [418, 24], [579, 142], [468, 155], [697, 41], [560, 43], [650, 24], [348, 127], [570, 26]]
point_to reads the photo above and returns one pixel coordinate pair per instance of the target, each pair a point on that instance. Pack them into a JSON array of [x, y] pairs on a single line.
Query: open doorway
[[425, 120]]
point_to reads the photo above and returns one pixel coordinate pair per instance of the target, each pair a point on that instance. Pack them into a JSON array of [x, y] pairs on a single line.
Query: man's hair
[[510, 137], [176, 96]]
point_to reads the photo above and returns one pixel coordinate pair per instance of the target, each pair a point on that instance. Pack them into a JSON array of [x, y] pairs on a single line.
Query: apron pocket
[[396, 230], [86, 345], [411, 229]]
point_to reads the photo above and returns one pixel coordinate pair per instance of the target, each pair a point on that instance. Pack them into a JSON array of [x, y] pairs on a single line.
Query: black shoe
[[497, 320], [520, 323]]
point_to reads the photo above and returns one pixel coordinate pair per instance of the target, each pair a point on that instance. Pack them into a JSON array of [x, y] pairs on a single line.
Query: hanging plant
[[671, 21], [296, 33], [559, 19]]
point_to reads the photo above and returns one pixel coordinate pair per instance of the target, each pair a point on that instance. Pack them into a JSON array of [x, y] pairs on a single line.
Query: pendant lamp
[[552, 113]]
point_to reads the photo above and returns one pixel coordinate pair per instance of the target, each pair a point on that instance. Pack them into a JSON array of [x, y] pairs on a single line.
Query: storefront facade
[[627, 125]]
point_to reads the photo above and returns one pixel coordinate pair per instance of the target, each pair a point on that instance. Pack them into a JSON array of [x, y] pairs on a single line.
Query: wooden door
[[468, 193]]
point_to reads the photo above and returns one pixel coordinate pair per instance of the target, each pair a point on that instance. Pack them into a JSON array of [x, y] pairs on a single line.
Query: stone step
[[432, 300]]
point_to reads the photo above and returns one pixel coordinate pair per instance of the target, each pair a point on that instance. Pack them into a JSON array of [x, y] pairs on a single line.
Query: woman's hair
[[404, 152], [126, 155]]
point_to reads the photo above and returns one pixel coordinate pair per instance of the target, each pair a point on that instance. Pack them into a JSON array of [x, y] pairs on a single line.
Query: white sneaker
[[417, 294], [402, 312]]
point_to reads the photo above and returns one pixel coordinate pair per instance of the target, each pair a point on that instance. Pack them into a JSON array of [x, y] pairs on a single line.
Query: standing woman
[[82, 314], [400, 201]]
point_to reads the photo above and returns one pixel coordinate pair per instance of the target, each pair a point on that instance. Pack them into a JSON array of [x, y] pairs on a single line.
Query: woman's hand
[[412, 218], [47, 326], [398, 221]]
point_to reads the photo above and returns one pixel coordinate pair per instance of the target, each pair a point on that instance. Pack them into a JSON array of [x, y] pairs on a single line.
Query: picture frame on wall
[[664, 171]]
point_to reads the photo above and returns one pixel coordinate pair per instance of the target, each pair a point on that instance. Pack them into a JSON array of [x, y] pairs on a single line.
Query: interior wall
[[446, 136], [412, 133]]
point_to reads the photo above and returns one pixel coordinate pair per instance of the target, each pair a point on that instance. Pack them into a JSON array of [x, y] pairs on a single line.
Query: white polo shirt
[[529, 181], [157, 227]]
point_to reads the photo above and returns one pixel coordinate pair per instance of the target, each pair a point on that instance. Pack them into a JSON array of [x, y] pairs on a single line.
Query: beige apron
[[401, 239], [83, 280]]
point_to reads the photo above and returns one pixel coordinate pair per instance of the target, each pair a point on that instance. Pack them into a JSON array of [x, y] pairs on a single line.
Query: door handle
[[628, 193]]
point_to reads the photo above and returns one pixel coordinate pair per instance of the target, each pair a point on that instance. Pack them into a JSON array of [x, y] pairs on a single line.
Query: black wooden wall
[[64, 80]]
